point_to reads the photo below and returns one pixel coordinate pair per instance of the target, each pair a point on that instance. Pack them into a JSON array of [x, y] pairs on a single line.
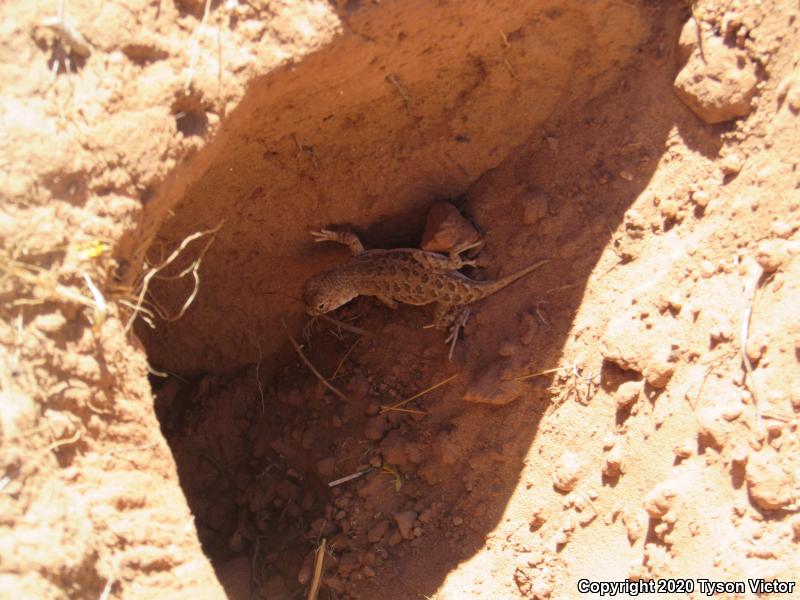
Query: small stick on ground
[[347, 326], [258, 378], [319, 561], [347, 478], [193, 52], [401, 89], [748, 367], [385, 409], [344, 358], [540, 373], [310, 366]]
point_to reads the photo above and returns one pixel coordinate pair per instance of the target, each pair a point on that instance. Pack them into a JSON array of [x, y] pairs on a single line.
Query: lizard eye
[[321, 306]]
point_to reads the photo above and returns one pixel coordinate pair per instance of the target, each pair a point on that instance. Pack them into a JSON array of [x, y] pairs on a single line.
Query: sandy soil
[[629, 411]]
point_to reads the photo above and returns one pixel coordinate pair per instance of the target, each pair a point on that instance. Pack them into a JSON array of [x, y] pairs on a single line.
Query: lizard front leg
[[346, 238]]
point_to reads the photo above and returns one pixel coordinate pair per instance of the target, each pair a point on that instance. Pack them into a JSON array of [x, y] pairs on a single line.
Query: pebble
[[781, 229], [769, 485], [627, 394], [377, 531], [405, 523], [772, 254], [612, 467], [326, 467], [446, 229], [535, 207], [718, 83], [375, 428], [50, 322], [701, 198], [732, 163], [567, 471], [683, 450], [712, 427], [660, 500]]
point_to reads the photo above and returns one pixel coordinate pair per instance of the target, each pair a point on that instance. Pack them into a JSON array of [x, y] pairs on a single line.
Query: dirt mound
[[628, 411]]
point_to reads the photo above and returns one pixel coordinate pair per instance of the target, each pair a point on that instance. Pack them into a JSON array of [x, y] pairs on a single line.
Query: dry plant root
[[139, 307]]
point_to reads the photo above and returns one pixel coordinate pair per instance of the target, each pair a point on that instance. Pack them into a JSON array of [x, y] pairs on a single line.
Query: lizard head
[[324, 292]]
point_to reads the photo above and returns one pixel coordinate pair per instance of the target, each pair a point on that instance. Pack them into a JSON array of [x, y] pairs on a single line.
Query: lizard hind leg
[[346, 238], [391, 303], [455, 329], [451, 318]]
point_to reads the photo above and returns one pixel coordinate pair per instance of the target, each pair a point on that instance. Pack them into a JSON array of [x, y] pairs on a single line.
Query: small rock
[[541, 588], [769, 485], [405, 523], [377, 531], [627, 394], [446, 229], [732, 163], [701, 198], [393, 449], [683, 450], [660, 500], [781, 229], [375, 428], [712, 427], [50, 323], [717, 83], [658, 370], [774, 253], [535, 207], [721, 328], [326, 467], [457, 521], [612, 467], [567, 472]]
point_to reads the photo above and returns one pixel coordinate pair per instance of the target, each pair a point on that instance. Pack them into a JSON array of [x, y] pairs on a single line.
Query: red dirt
[[597, 420]]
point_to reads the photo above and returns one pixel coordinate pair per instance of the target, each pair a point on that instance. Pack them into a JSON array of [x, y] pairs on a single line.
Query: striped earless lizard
[[403, 275]]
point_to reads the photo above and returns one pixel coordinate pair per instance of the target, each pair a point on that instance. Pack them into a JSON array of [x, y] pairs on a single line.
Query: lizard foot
[[459, 322], [324, 235]]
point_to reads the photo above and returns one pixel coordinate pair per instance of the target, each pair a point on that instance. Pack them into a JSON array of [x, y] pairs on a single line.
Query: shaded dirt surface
[[628, 411]]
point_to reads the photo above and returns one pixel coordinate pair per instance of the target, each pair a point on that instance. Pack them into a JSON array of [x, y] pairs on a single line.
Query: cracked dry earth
[[627, 412]]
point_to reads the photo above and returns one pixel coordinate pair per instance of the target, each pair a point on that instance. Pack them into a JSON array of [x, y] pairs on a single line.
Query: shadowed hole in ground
[[542, 138]]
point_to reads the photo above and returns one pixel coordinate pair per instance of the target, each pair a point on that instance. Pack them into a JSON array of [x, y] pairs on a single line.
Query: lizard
[[406, 275]]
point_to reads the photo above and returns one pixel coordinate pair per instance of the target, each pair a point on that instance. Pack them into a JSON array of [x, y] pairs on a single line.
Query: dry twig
[[310, 366], [385, 409], [748, 367], [319, 561]]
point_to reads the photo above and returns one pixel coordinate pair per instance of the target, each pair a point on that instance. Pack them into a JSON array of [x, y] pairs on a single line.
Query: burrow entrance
[[521, 116]]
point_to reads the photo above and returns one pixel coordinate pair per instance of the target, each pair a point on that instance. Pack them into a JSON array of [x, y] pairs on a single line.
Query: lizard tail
[[491, 287]]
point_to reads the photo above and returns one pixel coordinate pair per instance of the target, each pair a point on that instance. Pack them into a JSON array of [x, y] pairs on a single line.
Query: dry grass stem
[[347, 478], [385, 409], [347, 326], [195, 42], [258, 378], [344, 358], [319, 561], [540, 373], [748, 367], [311, 367]]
